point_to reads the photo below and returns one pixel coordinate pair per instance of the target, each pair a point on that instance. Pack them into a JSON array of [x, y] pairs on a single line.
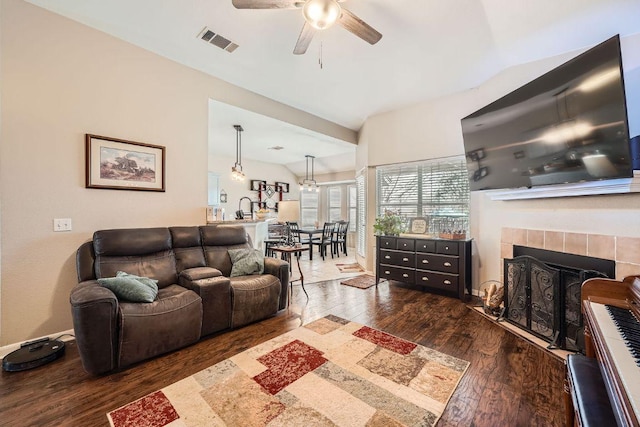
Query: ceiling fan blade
[[304, 39], [267, 4], [357, 26]]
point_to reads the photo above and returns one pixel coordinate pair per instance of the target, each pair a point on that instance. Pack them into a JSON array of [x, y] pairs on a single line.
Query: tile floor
[[319, 270]]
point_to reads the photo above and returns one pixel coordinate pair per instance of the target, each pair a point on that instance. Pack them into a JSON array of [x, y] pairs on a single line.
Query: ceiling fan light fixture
[[321, 14]]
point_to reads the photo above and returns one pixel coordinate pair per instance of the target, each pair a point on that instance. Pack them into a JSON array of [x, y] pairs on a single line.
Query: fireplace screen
[[544, 299], [531, 295]]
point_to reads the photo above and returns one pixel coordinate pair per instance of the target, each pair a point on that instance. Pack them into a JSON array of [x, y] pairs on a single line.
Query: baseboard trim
[[12, 347]]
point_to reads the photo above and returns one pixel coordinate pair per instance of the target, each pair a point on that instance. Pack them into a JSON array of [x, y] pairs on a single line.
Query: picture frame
[[419, 225], [118, 164]]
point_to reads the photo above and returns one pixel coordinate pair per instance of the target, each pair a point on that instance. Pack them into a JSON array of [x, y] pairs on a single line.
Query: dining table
[[310, 232]]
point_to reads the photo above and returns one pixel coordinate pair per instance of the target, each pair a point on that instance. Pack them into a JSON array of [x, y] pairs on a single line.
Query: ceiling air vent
[[217, 40]]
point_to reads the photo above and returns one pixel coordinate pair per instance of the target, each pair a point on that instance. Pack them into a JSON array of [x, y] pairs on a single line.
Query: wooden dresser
[[439, 265]]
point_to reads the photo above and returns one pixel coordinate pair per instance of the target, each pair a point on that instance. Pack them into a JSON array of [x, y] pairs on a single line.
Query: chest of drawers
[[439, 265]]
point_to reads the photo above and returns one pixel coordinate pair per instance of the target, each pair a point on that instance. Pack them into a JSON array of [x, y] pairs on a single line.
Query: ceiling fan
[[318, 15]]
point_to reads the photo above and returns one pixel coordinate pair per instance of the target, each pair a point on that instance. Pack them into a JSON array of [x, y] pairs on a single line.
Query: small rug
[[349, 268], [331, 372], [363, 281]]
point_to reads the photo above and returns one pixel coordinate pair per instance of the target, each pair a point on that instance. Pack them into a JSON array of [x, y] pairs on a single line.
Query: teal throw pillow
[[130, 287], [153, 283], [246, 262]]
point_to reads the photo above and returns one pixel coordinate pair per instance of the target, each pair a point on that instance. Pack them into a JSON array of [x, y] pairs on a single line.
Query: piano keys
[[624, 361]]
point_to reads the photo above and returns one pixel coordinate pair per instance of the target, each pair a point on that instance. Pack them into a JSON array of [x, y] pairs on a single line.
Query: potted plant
[[389, 224]]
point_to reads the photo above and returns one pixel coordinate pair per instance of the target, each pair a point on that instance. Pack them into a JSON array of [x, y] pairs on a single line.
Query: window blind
[[361, 216], [352, 205], [335, 203], [308, 208], [437, 189]]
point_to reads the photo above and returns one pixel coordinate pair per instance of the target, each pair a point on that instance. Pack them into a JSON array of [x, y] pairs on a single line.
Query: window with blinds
[[335, 203], [361, 225], [436, 189], [352, 207], [308, 208]]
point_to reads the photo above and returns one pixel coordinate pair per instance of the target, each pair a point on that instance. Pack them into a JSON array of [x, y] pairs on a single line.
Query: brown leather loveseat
[[196, 295]]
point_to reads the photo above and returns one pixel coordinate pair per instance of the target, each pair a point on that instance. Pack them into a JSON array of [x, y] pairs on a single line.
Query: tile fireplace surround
[[625, 251]]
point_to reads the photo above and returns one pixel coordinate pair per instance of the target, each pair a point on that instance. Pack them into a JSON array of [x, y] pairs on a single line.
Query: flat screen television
[[569, 125]]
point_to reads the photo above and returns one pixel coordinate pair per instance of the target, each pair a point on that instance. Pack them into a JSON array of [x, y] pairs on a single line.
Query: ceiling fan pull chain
[[320, 57]]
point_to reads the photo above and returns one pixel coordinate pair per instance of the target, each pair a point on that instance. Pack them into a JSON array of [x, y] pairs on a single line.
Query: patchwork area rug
[[363, 281], [349, 268], [331, 372]]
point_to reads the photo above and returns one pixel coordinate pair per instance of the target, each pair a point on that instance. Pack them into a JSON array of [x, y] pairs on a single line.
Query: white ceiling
[[429, 48], [261, 134]]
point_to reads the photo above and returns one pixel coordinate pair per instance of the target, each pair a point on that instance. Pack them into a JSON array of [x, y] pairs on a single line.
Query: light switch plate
[[62, 224]]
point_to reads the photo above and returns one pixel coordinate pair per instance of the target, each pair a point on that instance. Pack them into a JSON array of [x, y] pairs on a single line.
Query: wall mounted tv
[[569, 125]]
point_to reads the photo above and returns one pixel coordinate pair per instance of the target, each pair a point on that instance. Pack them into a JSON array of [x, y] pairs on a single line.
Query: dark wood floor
[[510, 382]]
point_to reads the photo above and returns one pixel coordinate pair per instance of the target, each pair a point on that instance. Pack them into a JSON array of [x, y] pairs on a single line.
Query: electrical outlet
[[62, 224]]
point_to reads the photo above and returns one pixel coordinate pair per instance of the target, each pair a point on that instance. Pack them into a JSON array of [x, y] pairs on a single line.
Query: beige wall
[[60, 80], [254, 170], [432, 129]]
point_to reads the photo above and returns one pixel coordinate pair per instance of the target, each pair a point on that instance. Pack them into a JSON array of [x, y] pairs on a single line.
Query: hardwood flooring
[[510, 382]]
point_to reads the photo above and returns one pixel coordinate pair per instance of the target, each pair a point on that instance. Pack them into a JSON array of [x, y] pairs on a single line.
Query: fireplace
[[542, 293]]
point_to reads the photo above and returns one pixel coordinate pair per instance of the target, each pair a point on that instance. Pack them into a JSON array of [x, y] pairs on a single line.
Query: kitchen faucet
[[239, 212]]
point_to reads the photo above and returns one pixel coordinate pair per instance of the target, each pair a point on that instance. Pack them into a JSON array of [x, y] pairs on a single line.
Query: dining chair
[[339, 240], [294, 231], [268, 243], [276, 237], [326, 239]]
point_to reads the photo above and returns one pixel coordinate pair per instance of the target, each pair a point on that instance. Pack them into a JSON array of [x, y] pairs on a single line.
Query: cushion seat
[[253, 298], [590, 398], [172, 321]]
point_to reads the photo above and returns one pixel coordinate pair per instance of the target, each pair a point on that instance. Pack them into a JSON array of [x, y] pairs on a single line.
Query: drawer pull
[[447, 264], [405, 275], [387, 257], [447, 282], [404, 244], [387, 272], [405, 259], [446, 248], [425, 279], [424, 261]]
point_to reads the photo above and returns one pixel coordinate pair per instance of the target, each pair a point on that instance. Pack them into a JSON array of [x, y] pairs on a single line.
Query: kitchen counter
[[239, 221], [257, 229]]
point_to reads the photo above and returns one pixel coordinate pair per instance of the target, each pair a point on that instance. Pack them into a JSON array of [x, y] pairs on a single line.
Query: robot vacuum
[[33, 354]]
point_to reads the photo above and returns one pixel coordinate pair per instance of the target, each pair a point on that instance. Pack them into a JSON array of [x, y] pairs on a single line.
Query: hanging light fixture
[[236, 170], [309, 184]]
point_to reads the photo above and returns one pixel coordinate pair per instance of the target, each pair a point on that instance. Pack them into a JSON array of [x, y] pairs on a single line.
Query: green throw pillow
[[246, 262], [131, 288], [153, 283]]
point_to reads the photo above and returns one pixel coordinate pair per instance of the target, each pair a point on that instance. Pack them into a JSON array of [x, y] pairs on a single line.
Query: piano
[[611, 313]]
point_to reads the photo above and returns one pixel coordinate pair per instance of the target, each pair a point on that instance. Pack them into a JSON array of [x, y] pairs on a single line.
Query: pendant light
[[309, 184], [236, 170]]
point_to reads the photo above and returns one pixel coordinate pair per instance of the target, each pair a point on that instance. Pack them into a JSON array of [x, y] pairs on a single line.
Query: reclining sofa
[[196, 295]]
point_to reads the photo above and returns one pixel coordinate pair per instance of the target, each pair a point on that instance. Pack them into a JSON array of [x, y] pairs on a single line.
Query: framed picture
[[124, 165], [418, 225]]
